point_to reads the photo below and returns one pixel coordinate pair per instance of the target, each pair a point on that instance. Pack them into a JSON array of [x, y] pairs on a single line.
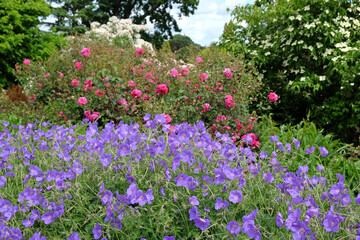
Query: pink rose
[[91, 117], [136, 93], [174, 73], [26, 61], [229, 101], [273, 96], [32, 98], [78, 65], [98, 93], [206, 107], [40, 85], [16, 66], [139, 51], [47, 75], [199, 60], [203, 76], [75, 82], [228, 73], [162, 89], [131, 84], [167, 117], [184, 71], [85, 52], [82, 101]]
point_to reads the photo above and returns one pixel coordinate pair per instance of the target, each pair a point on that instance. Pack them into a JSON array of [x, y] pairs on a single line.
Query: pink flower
[[131, 84], [229, 101], [206, 107], [167, 117], [184, 71], [26, 61], [162, 89], [273, 96], [32, 98], [228, 73], [16, 66], [91, 117], [85, 52], [61, 74], [47, 75], [98, 93], [75, 82], [40, 85], [82, 101], [136, 93], [78, 65], [199, 60], [203, 76], [139, 51], [174, 73]]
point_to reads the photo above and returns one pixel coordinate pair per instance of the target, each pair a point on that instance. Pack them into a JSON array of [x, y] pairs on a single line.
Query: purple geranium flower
[[193, 201], [235, 196], [279, 220], [300, 230], [274, 139], [74, 236], [233, 227], [97, 231], [105, 159], [357, 199], [106, 197], [37, 236], [220, 203], [201, 223], [310, 150], [331, 223], [194, 213], [48, 217], [2, 181], [323, 151], [320, 168], [28, 222], [169, 238], [268, 177]]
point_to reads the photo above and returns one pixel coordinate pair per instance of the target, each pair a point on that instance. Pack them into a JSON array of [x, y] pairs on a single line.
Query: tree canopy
[[77, 15], [20, 36]]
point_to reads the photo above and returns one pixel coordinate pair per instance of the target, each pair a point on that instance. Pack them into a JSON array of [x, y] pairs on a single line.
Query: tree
[[308, 53], [179, 41], [20, 36], [77, 15]]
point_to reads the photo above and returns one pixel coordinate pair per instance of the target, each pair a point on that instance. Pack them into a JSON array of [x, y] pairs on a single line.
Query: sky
[[207, 23]]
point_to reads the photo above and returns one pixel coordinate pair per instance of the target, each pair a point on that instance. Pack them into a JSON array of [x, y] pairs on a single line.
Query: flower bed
[[82, 183]]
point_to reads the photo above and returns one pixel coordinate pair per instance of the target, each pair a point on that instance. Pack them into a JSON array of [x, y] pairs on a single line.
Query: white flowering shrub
[[308, 53], [121, 28]]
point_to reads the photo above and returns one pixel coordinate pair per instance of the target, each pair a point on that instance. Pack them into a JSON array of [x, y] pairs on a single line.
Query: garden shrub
[[98, 80], [308, 53], [162, 184]]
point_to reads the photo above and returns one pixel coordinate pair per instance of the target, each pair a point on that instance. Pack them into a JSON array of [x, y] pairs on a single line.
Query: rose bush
[[124, 84]]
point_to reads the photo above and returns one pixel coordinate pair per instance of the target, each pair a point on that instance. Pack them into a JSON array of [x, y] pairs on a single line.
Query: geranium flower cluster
[[50, 175]]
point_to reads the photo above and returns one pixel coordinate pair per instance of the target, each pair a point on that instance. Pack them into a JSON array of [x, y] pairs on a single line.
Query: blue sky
[[207, 24]]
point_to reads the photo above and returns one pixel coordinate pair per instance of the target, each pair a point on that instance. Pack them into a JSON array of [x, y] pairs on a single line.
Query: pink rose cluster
[[255, 140], [174, 73], [206, 107], [139, 51], [229, 101], [228, 73], [162, 89], [26, 61], [203, 77], [273, 96], [199, 60], [85, 52], [78, 65], [167, 118], [136, 93], [91, 117], [82, 101]]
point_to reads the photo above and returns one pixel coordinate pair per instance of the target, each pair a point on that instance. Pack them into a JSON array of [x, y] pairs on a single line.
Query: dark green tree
[[179, 41], [20, 36], [77, 15]]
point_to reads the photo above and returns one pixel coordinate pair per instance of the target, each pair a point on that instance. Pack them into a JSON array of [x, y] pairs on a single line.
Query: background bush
[[308, 53], [20, 36]]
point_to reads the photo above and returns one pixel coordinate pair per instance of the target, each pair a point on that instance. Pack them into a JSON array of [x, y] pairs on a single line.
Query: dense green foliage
[[76, 15], [20, 36], [308, 53]]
